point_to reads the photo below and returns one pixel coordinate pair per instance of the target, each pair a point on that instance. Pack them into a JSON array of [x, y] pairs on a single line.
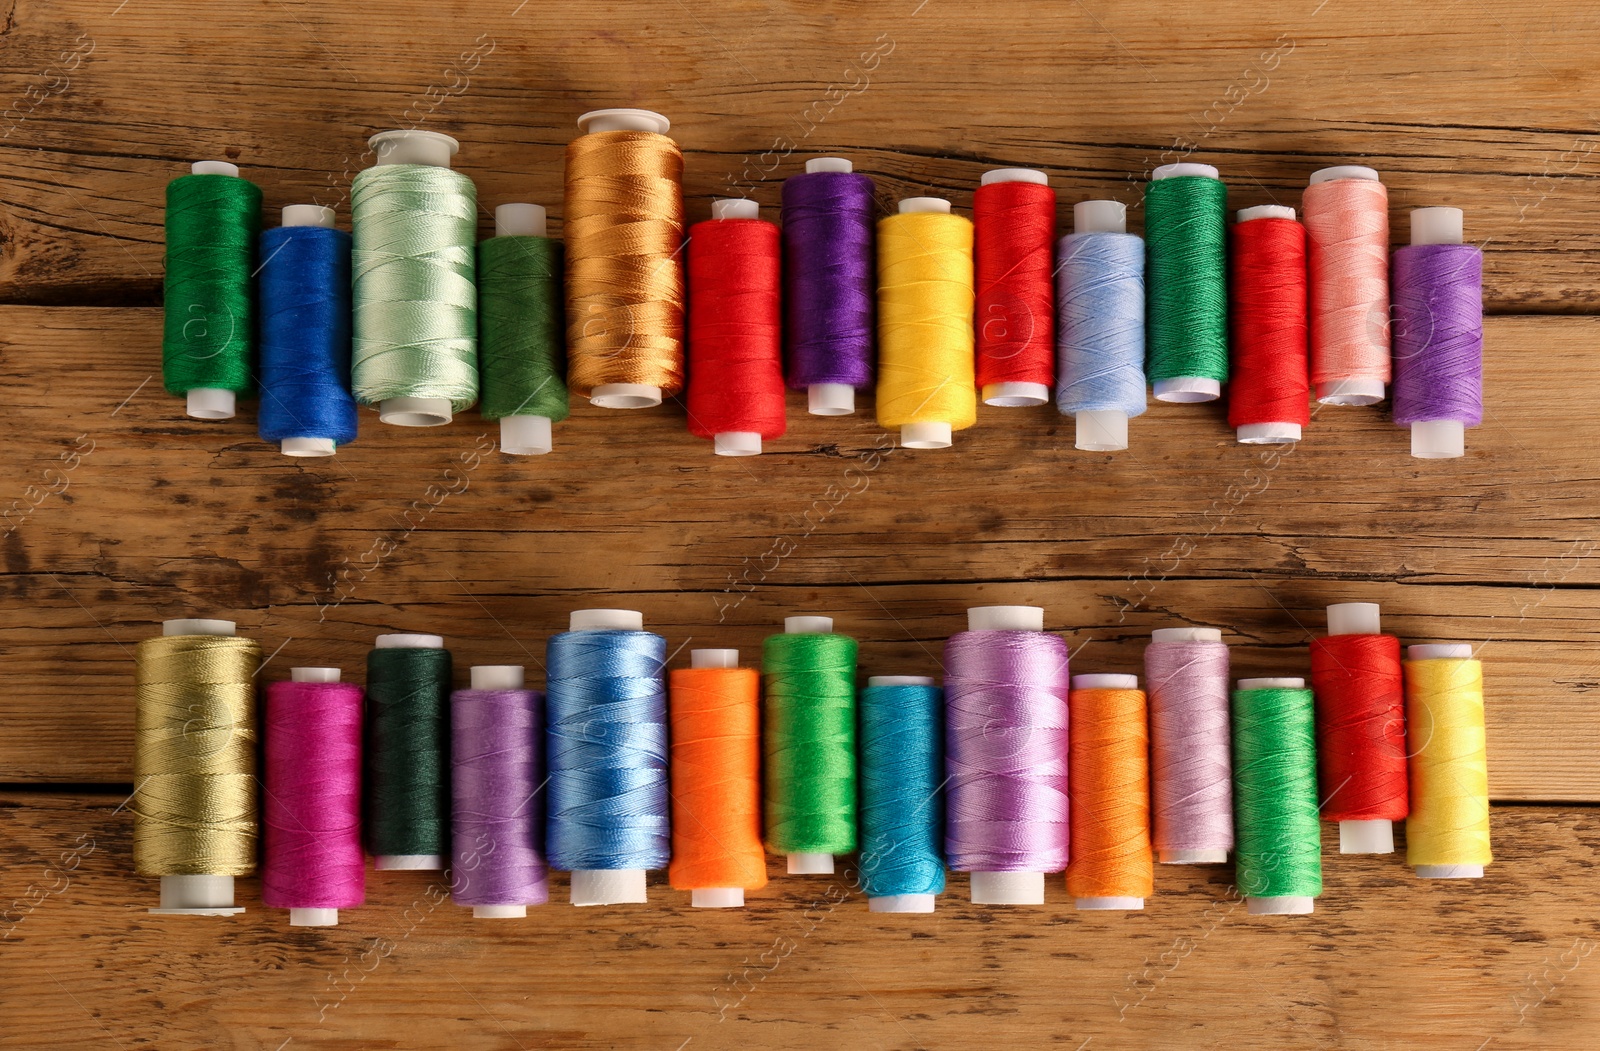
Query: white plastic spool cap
[[810, 864], [1277, 433], [1186, 635], [199, 626], [197, 896], [1284, 905], [314, 674], [404, 641], [608, 887], [520, 219], [1108, 904], [831, 399], [526, 435], [1182, 168], [807, 625], [1437, 439], [1100, 217], [1015, 395], [1005, 618], [625, 396], [308, 215], [1101, 430], [1343, 171], [498, 677], [1265, 211], [1357, 391], [1033, 175], [1436, 651], [1449, 871], [210, 403], [717, 898], [416, 412], [828, 164], [1105, 682], [214, 168], [713, 658], [605, 620], [924, 206], [1007, 888], [736, 443], [1285, 682], [1186, 389], [598, 120], [1355, 618], [313, 917], [902, 903], [408, 862], [735, 208], [899, 680], [499, 912]]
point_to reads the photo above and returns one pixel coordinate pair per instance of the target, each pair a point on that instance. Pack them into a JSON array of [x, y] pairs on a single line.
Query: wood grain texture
[[1385, 962], [1488, 107]]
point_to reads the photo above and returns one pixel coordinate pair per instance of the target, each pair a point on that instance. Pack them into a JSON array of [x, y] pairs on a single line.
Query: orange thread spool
[[1347, 239], [1112, 864], [715, 713]]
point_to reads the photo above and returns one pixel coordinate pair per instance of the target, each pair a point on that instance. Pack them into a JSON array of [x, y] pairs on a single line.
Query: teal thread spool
[[208, 340], [1278, 850], [406, 794], [521, 330], [413, 278], [1186, 281]]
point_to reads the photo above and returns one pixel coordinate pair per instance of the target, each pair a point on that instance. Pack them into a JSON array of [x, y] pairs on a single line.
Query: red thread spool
[[1269, 391], [1361, 728], [1014, 219], [735, 330]]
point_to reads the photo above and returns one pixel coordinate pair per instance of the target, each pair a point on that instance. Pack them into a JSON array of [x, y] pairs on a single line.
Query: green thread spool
[[808, 743], [1186, 238], [413, 266], [407, 799], [522, 330], [1278, 854], [208, 337]]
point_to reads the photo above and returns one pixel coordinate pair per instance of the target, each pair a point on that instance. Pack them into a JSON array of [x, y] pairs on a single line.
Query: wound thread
[[209, 325], [716, 779], [305, 335], [1190, 768], [902, 790], [1347, 238], [809, 742], [407, 801], [1110, 778], [521, 328], [1100, 295], [1438, 334], [497, 797], [1186, 278], [1014, 238], [1279, 851], [1270, 385], [1361, 727], [828, 278], [1449, 821]]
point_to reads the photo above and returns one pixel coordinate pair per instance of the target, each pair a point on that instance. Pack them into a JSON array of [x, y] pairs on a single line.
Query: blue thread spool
[[902, 793], [1100, 325]]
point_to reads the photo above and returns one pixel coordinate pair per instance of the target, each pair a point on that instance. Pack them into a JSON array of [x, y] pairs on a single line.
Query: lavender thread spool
[[828, 284], [1191, 768], [1007, 808], [1438, 334], [497, 794]]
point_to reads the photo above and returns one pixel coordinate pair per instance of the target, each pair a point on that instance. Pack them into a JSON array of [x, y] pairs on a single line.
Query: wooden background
[[123, 512]]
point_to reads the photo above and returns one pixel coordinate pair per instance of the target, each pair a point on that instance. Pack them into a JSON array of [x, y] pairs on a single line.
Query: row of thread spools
[[621, 766], [412, 315]]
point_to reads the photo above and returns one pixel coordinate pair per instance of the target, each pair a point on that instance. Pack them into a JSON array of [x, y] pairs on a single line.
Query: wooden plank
[[164, 517], [1486, 109], [1386, 960]]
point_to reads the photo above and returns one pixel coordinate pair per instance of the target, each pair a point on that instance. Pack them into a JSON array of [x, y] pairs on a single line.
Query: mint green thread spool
[[1186, 356], [1277, 827], [414, 319], [521, 330]]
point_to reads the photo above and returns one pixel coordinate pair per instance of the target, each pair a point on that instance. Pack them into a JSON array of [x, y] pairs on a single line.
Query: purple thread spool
[[1191, 770], [1006, 803], [828, 284], [1438, 334], [497, 795]]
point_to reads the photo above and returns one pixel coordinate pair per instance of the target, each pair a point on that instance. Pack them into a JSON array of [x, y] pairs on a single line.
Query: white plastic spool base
[[526, 435], [904, 903], [1099, 217], [605, 620], [1351, 392], [831, 399], [214, 168], [1285, 905], [737, 443], [199, 626], [1449, 871], [307, 446], [717, 898], [408, 862], [415, 412], [899, 680], [608, 887], [413, 146], [1015, 394], [807, 625], [1279, 683], [1265, 211], [499, 912], [210, 403], [1187, 390], [1005, 618], [1007, 888], [735, 208], [520, 219], [197, 896], [1374, 836], [625, 396], [1438, 439], [314, 674], [828, 164], [1105, 682], [713, 658], [1101, 430], [1278, 433], [1191, 857], [599, 120], [313, 917], [1355, 618], [807, 864], [1108, 904], [1439, 651], [498, 677], [1186, 635]]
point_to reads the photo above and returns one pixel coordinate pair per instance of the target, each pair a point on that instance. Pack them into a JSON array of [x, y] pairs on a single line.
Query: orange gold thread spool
[[716, 780], [624, 275], [1112, 865]]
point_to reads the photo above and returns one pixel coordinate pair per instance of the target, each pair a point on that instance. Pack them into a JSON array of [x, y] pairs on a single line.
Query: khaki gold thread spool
[[624, 271], [195, 821]]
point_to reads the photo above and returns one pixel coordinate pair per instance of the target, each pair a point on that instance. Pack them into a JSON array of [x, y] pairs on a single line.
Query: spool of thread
[[413, 273], [828, 283], [306, 405], [497, 794], [1006, 754], [1186, 236], [926, 383], [1270, 390], [1347, 241], [1100, 335], [407, 797], [735, 330], [716, 780], [1112, 865], [194, 764], [522, 330], [1014, 223], [1438, 334], [624, 230], [312, 862], [606, 743], [1447, 832], [1191, 792], [1278, 863], [809, 744], [1361, 728], [902, 793], [208, 342]]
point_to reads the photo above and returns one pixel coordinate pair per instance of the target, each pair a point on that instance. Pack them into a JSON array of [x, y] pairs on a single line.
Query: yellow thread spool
[[1447, 833], [927, 385]]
